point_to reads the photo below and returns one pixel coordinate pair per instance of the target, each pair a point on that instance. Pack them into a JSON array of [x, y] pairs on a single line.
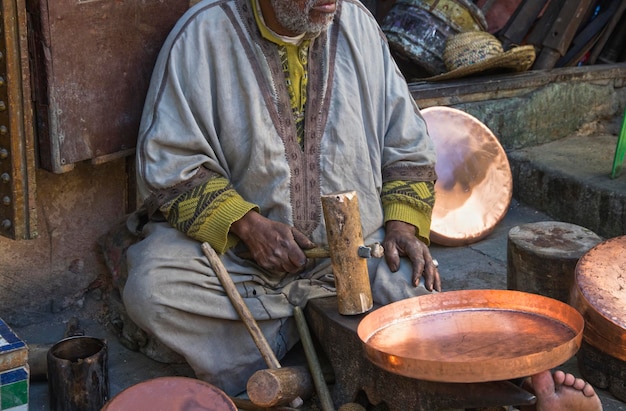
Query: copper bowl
[[471, 335], [475, 184], [172, 394]]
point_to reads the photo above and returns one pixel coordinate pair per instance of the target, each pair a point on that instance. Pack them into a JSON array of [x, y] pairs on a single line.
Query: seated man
[[256, 109]]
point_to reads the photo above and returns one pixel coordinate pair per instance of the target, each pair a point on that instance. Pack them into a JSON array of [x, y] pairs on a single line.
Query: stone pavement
[[480, 265]]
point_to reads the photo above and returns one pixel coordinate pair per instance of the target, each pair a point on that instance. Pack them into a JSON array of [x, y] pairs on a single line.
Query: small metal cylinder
[[78, 374]]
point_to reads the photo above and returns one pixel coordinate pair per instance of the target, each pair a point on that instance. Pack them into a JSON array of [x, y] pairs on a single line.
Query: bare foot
[[562, 392]]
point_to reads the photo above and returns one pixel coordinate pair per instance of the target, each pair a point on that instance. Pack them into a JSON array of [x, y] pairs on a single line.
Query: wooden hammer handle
[[316, 252], [244, 312], [241, 307]]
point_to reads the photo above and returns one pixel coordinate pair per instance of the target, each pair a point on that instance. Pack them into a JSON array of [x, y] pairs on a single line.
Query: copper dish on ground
[[471, 335], [599, 294], [474, 185], [171, 394]]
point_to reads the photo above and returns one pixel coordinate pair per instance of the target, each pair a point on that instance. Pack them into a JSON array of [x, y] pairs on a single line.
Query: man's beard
[[291, 17]]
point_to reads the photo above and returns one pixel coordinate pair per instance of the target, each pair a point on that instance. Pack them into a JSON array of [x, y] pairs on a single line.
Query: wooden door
[[92, 64]]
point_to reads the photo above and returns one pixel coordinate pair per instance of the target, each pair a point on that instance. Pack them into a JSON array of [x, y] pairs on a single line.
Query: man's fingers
[[432, 272], [432, 280], [302, 240], [428, 269], [392, 256], [418, 269], [297, 259]]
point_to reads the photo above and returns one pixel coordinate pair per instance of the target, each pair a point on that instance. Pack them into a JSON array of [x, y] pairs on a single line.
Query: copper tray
[[171, 393], [474, 185], [600, 295], [471, 335]]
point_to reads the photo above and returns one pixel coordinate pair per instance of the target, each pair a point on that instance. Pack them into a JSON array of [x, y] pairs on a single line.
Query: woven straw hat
[[479, 51]]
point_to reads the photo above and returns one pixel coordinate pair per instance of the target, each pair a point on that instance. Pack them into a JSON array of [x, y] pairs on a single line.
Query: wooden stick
[[316, 252], [314, 364], [345, 236], [241, 307], [376, 249], [244, 312]]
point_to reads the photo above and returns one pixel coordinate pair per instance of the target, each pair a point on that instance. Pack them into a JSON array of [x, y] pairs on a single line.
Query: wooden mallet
[[244, 313]]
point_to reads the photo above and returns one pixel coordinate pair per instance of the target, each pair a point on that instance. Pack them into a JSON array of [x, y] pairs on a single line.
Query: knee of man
[[138, 300]]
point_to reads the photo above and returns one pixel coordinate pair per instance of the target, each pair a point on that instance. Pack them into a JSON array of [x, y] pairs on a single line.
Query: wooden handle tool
[[374, 250], [244, 312]]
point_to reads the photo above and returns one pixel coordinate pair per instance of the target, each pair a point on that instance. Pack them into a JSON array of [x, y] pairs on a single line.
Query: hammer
[[244, 313], [346, 251]]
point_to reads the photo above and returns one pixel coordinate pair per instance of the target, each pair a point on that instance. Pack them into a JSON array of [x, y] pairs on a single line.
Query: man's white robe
[[218, 103]]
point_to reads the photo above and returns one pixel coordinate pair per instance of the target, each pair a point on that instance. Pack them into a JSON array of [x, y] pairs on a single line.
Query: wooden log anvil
[[355, 375]]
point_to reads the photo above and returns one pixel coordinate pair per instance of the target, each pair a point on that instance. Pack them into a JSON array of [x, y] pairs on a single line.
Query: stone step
[[570, 180]]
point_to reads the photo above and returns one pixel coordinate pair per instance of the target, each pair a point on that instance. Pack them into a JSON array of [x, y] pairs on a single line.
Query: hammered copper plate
[[474, 185], [471, 335], [171, 394], [600, 295]]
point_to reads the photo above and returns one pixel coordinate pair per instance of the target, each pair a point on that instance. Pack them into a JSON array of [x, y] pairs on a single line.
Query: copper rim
[[599, 293], [474, 185], [171, 393], [471, 335]]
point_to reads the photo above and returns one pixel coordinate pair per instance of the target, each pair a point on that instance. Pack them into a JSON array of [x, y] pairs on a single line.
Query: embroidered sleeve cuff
[[411, 215], [216, 227]]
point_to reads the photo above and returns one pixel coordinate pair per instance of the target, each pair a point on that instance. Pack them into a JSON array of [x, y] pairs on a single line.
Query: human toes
[[543, 384], [579, 384], [560, 378], [570, 380], [588, 390]]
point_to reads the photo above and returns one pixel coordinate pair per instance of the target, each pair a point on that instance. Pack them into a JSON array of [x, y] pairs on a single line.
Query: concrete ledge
[[570, 180], [536, 107]]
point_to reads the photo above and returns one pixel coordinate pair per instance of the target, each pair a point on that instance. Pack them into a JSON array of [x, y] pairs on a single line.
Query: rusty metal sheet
[[93, 62], [18, 217], [475, 184], [471, 336], [599, 294]]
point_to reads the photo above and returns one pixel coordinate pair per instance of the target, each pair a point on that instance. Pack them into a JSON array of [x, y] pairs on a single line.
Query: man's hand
[[401, 241], [274, 246]]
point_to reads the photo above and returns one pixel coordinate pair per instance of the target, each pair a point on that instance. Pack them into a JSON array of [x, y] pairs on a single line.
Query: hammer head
[[375, 250]]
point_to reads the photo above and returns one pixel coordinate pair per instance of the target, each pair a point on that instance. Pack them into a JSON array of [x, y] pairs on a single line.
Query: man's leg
[[173, 294]]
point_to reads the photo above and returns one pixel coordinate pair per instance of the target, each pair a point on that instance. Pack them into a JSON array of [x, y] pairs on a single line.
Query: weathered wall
[[74, 209], [534, 107]]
